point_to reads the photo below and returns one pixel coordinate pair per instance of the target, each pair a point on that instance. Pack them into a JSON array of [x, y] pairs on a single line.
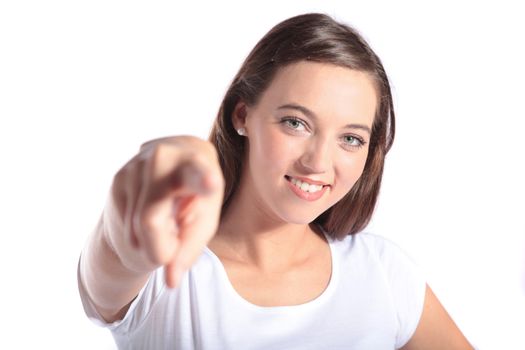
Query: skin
[[300, 128], [312, 146], [265, 237], [138, 232]]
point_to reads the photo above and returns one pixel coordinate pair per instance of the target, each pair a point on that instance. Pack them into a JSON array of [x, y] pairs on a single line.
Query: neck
[[253, 236]]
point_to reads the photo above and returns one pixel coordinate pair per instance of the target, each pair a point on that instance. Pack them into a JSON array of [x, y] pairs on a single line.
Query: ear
[[240, 112]]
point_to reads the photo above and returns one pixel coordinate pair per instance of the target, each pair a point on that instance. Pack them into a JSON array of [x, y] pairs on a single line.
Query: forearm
[[110, 284]]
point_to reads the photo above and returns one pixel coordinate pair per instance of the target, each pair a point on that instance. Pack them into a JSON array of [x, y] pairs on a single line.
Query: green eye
[[353, 141], [294, 124]]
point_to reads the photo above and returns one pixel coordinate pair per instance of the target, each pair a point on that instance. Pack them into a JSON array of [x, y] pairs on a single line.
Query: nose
[[316, 157]]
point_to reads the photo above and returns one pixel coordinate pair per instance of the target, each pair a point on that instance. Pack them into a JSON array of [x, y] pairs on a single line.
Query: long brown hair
[[318, 38]]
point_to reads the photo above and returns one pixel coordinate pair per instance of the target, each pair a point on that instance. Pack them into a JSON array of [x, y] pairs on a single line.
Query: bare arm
[[436, 330], [110, 285], [163, 208]]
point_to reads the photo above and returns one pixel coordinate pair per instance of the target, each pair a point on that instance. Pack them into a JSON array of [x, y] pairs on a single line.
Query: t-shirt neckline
[[319, 300]]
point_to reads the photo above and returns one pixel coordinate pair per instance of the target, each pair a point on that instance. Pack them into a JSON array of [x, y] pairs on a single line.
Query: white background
[[83, 84]]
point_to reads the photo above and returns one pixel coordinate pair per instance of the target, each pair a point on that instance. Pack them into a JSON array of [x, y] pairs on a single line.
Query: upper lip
[[310, 181]]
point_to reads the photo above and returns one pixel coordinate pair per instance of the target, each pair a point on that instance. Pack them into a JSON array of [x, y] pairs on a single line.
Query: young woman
[[252, 240]]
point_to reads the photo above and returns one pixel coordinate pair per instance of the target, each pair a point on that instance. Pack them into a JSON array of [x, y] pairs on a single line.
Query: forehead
[[326, 89]]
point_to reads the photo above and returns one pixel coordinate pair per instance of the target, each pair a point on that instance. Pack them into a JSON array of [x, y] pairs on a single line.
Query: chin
[[299, 218]]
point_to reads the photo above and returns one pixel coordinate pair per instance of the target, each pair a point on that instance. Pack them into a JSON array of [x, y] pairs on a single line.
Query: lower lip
[[306, 195]]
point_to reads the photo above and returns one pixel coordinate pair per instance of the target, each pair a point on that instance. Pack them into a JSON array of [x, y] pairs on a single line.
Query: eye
[[354, 142], [293, 123]]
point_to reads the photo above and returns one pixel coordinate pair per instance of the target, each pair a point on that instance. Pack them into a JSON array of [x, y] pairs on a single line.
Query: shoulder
[[364, 237], [370, 245], [404, 284], [374, 249]]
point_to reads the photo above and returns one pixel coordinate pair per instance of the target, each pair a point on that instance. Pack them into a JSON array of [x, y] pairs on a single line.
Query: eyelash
[[359, 139], [288, 120]]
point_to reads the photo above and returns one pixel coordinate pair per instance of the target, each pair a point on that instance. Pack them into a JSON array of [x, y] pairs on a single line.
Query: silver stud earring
[[241, 131]]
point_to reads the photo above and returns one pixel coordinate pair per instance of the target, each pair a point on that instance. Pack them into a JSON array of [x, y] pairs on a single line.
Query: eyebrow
[[312, 115]]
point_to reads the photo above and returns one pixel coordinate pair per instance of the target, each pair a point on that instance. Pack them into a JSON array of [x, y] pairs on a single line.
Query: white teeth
[[306, 187], [314, 188]]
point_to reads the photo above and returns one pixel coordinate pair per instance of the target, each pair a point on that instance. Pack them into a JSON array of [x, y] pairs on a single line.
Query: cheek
[[350, 170], [273, 150]]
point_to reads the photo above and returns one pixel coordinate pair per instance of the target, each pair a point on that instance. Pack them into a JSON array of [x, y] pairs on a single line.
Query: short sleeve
[[407, 288], [138, 310]]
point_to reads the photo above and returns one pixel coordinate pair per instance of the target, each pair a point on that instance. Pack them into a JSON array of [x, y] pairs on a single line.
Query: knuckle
[[148, 144], [129, 172], [136, 225], [119, 179], [157, 152], [163, 159]]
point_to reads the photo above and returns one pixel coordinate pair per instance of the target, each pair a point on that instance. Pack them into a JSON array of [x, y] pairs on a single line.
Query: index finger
[[166, 191]]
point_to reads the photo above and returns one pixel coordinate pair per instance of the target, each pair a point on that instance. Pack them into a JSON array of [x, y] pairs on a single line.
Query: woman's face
[[308, 139]]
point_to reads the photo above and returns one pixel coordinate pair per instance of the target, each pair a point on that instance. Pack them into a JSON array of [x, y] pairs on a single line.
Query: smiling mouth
[[304, 185]]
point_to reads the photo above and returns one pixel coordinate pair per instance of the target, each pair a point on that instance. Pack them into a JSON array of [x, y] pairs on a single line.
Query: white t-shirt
[[374, 300]]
